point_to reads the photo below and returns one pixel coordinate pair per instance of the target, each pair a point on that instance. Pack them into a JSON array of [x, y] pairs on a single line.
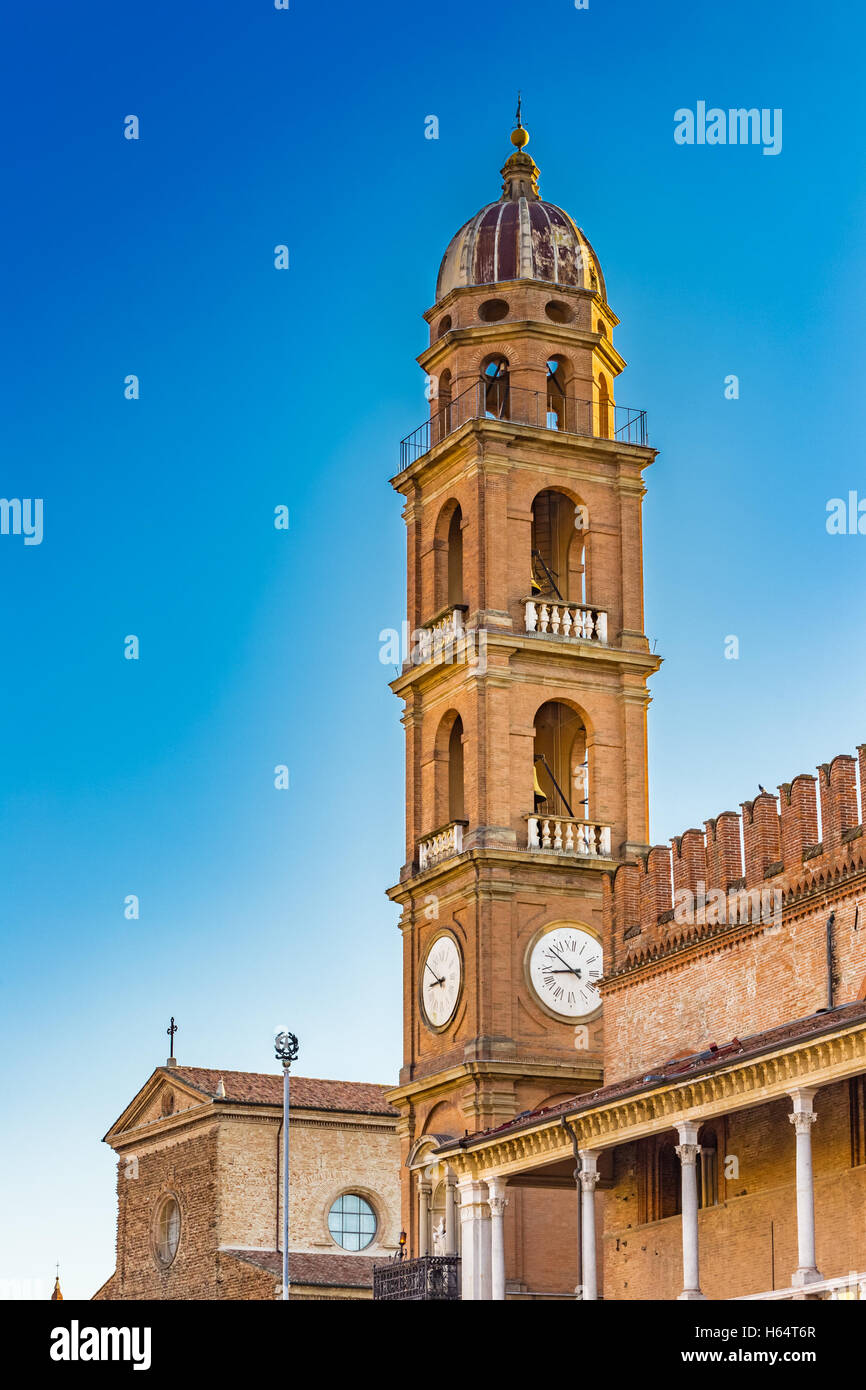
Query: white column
[[497, 1202], [475, 1245], [688, 1150], [423, 1217], [450, 1213], [589, 1176], [802, 1118]]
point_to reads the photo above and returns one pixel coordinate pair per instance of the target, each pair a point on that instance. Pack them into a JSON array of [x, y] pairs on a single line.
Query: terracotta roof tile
[[328, 1270], [699, 1063], [307, 1092]]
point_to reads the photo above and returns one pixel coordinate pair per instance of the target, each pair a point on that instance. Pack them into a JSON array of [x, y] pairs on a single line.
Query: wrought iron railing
[[428, 1279], [498, 400]]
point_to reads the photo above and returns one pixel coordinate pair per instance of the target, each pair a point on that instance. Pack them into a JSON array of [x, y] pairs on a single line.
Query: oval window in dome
[[492, 310], [558, 312]]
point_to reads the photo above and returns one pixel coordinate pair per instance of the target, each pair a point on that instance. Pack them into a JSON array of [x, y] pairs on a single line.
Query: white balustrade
[[434, 639], [560, 835], [576, 620], [442, 844]]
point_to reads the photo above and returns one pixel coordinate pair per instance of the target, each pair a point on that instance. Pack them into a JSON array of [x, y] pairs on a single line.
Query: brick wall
[[748, 1243]]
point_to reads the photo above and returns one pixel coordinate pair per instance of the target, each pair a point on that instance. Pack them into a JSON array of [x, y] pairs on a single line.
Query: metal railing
[[429, 1279], [498, 400]]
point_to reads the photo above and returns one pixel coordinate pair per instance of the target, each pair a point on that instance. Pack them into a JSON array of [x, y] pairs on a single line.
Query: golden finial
[[519, 136]]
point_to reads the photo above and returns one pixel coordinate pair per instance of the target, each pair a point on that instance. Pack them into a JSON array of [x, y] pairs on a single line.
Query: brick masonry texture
[[221, 1158]]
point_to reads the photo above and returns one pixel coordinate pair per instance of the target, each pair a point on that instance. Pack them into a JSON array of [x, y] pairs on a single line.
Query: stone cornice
[[515, 1069], [475, 434], [527, 859]]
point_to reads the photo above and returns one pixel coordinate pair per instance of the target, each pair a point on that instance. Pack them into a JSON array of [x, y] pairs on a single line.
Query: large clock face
[[564, 965], [440, 980]]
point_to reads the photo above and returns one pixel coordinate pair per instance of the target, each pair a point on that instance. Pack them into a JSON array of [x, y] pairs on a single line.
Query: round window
[[167, 1231], [352, 1222]]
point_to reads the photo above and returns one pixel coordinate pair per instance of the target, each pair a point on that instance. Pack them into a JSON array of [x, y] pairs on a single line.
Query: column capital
[[496, 1199], [802, 1120], [687, 1131], [473, 1199], [688, 1153], [802, 1097]]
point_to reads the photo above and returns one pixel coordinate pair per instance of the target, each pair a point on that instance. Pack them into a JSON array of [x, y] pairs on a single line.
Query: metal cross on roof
[[171, 1030]]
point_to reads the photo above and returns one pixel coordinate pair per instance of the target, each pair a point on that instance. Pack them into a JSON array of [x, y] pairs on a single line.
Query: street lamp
[[286, 1048]]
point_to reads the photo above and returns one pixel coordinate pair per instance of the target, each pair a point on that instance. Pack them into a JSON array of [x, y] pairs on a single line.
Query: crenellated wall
[[725, 932]]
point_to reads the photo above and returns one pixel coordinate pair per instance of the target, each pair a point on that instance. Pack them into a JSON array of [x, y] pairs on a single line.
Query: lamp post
[[286, 1048]]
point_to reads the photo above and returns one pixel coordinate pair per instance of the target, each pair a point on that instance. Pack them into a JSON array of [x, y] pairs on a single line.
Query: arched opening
[[455, 771], [558, 568], [556, 394], [444, 326], [442, 421], [604, 409], [448, 557], [708, 1173], [560, 763], [455, 558], [495, 385]]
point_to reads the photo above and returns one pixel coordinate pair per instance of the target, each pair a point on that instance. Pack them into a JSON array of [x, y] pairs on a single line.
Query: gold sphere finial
[[519, 136]]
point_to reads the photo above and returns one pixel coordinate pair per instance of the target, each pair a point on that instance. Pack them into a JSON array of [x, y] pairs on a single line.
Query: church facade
[[199, 1187]]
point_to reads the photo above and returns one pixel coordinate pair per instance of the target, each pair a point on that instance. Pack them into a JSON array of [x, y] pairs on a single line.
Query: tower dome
[[521, 237]]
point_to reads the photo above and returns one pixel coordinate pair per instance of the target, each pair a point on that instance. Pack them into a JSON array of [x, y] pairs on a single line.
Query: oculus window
[[352, 1222]]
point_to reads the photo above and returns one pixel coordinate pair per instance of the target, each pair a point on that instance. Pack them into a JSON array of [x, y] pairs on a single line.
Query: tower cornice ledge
[[509, 433]]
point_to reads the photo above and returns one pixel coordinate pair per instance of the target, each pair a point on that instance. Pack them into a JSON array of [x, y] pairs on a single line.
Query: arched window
[[352, 1222], [556, 394], [557, 561], [448, 557], [455, 558], [167, 1230], [603, 409], [442, 415], [495, 384], [560, 763], [455, 771]]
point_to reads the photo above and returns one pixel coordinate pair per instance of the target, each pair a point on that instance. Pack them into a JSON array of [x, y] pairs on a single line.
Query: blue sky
[[260, 388]]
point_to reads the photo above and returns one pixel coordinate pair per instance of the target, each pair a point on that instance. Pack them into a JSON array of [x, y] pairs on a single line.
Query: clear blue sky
[[259, 387]]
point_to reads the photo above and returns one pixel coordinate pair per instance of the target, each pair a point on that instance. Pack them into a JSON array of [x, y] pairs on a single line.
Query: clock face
[[440, 981], [564, 965]]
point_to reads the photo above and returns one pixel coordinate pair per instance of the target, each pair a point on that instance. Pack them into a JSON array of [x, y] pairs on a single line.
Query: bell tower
[[525, 686]]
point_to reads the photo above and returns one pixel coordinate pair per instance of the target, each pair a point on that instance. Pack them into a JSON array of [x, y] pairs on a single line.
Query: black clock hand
[[433, 973], [569, 968]]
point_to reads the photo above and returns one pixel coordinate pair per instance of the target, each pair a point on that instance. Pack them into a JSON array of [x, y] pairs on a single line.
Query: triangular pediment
[[162, 1097]]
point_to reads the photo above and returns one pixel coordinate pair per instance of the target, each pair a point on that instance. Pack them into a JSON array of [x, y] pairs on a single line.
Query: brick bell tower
[[525, 689]]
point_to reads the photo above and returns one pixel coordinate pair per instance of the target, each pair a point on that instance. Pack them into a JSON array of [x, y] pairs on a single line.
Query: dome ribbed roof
[[520, 238]]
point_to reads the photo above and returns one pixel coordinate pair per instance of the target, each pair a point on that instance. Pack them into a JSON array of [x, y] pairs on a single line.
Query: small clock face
[[440, 980], [564, 965]]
